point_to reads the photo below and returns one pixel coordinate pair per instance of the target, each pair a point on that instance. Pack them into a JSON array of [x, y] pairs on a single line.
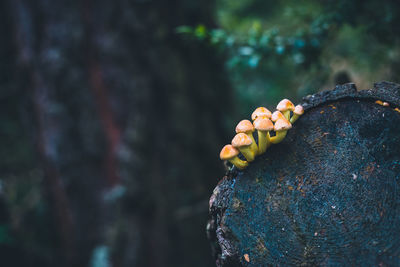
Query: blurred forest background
[[112, 113]]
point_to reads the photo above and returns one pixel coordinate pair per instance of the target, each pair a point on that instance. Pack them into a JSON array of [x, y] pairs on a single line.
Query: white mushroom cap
[[241, 139], [263, 124], [282, 125], [284, 105], [244, 126], [228, 152], [299, 110], [261, 112], [277, 115]]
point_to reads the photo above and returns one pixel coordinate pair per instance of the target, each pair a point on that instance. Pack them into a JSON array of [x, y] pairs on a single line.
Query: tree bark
[[326, 195]]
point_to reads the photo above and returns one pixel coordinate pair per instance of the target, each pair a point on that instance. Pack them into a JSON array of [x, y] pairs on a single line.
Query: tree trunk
[[327, 195]]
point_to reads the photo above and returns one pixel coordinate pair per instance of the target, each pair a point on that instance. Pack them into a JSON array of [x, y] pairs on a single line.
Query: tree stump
[[327, 195]]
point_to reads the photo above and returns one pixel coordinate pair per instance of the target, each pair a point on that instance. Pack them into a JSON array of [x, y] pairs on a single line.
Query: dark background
[[112, 113]]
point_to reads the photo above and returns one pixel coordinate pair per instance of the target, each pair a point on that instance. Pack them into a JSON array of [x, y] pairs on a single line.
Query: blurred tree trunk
[[127, 122]]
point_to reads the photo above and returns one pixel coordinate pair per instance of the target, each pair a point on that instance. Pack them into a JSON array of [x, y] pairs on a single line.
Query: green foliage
[[293, 48]]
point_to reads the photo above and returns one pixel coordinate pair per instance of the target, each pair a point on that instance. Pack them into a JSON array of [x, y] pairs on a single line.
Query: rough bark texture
[[327, 195]]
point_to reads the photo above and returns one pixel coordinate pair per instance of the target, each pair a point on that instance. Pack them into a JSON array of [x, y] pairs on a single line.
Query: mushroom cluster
[[265, 123], [386, 104]]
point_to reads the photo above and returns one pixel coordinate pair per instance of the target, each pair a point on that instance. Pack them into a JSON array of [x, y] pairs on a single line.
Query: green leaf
[[200, 31]]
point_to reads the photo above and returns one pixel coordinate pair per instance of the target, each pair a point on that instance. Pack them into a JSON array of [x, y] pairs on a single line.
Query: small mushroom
[[277, 115], [243, 142], [261, 112], [281, 127], [246, 257], [263, 125], [380, 102], [246, 127], [230, 154], [297, 112], [285, 106]]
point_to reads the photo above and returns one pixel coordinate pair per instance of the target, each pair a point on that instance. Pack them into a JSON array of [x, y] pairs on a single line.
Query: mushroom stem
[[253, 146], [281, 126], [263, 141], [285, 106], [280, 135], [294, 118], [247, 153], [230, 153], [297, 112], [263, 126], [246, 127], [286, 113], [243, 142], [269, 143], [240, 164]]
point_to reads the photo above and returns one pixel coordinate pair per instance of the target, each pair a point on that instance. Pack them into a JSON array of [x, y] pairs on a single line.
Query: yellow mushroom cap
[[277, 115], [282, 125], [244, 126], [241, 139], [299, 110], [261, 112], [263, 124], [228, 152], [284, 105]]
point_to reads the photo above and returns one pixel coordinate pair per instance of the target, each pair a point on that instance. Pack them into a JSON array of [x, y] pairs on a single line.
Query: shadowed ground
[[327, 195]]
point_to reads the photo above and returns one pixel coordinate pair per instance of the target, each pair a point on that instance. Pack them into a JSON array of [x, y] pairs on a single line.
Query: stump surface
[[327, 195]]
